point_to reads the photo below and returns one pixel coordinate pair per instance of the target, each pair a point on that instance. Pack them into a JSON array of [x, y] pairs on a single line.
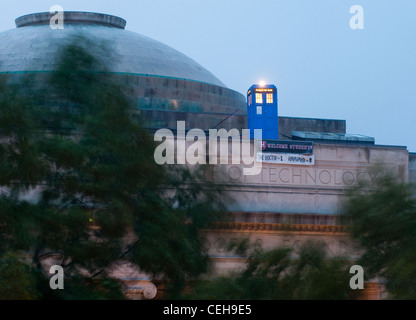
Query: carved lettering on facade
[[287, 175]]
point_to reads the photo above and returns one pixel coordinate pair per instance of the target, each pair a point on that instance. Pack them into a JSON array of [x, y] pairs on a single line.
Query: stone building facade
[[290, 204]]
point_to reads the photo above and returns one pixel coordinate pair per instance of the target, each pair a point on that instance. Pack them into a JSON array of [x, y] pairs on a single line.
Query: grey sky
[[322, 68]]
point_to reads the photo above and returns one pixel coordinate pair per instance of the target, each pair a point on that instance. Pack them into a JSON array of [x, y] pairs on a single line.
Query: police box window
[[259, 98], [269, 98]]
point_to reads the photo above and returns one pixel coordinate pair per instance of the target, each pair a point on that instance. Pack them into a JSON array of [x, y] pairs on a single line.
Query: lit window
[[259, 98], [269, 98], [259, 110]]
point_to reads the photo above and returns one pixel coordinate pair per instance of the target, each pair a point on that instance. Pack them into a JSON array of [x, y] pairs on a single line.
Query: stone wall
[[317, 189], [289, 124], [287, 205], [412, 167]]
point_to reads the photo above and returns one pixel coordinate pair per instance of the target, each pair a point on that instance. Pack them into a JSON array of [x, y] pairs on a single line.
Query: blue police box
[[262, 111]]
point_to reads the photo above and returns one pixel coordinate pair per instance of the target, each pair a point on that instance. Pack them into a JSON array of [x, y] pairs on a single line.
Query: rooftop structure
[[166, 85]]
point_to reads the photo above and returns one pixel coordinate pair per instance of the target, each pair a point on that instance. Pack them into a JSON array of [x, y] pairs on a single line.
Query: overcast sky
[[322, 67]]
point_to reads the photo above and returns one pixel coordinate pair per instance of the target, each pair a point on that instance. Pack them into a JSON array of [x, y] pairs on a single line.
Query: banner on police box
[[284, 158]]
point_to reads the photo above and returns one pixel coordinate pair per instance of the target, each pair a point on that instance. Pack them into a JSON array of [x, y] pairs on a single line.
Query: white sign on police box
[[286, 158]]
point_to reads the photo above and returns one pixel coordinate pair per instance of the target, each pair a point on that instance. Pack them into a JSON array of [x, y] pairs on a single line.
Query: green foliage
[[80, 183], [17, 279], [18, 143], [382, 219], [280, 274]]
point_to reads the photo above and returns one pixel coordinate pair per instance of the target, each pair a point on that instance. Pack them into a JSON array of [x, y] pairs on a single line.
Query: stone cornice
[[278, 227]]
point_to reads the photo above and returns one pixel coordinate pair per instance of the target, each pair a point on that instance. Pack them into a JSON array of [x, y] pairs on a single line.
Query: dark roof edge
[[79, 17], [320, 119]]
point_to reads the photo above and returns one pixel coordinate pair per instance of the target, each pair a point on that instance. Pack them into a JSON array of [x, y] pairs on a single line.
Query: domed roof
[[32, 46]]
